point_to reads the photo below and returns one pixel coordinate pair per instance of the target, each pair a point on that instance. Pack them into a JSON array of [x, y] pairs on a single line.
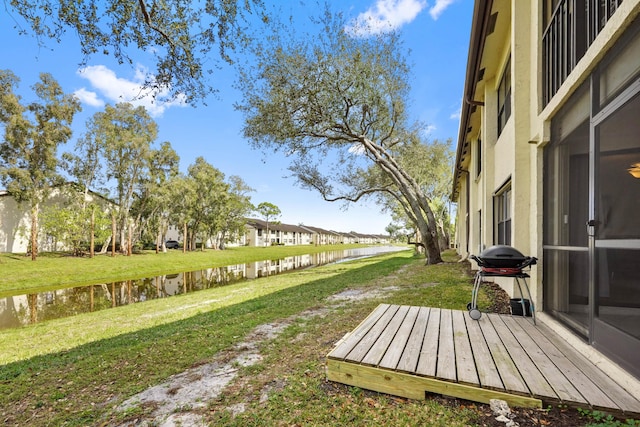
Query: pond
[[24, 309]]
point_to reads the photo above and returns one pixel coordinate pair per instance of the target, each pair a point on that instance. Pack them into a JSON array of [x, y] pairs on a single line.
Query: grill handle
[[477, 260], [529, 261]]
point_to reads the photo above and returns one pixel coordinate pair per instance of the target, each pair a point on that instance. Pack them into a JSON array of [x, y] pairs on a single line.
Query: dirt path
[[179, 400]]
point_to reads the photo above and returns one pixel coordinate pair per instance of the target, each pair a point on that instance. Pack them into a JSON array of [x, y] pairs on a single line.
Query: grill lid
[[501, 252], [503, 256]]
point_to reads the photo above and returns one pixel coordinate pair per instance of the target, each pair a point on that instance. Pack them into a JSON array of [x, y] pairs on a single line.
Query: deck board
[[409, 359], [356, 335], [408, 351], [591, 393], [465, 365], [382, 344], [535, 381], [488, 375], [373, 334], [508, 370], [603, 384], [400, 340], [429, 352], [446, 364], [565, 390]]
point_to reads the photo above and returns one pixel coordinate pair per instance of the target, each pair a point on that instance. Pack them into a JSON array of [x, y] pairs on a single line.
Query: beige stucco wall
[[518, 152], [15, 221], [12, 219]]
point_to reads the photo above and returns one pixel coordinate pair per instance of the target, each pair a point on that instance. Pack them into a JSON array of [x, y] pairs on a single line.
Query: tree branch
[[147, 20]]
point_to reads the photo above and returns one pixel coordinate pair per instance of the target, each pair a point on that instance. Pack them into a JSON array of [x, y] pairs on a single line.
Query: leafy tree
[[336, 104], [395, 231], [234, 212], [183, 36], [125, 134], [84, 165], [75, 222], [152, 203], [32, 135], [207, 208], [269, 211], [429, 162], [180, 193]]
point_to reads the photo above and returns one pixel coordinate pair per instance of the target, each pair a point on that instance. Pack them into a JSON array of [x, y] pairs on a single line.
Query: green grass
[[51, 270], [75, 371]]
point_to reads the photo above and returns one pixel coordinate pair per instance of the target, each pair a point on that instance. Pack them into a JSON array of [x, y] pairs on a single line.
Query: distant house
[[320, 236], [368, 239], [288, 234], [237, 239], [15, 220], [349, 238], [277, 234], [383, 239]]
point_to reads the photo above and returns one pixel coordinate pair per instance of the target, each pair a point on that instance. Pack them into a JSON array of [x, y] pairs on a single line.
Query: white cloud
[[437, 9], [385, 16], [117, 89], [456, 114], [429, 129], [88, 97]]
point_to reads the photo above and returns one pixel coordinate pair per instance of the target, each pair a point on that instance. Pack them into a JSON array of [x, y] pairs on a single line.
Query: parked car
[[171, 244]]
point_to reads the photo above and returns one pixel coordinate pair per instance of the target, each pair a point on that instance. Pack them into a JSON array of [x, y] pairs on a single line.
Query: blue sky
[[435, 31]]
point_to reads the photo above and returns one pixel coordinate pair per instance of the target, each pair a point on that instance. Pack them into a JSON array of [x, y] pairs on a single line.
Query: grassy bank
[[76, 371], [53, 270]]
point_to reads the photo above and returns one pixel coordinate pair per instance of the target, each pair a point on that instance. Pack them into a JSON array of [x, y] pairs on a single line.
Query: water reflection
[[20, 310]]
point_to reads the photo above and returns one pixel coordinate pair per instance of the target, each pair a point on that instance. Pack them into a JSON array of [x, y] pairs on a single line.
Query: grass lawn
[[75, 371]]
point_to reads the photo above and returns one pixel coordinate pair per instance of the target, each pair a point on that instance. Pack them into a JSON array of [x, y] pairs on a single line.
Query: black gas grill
[[503, 261]]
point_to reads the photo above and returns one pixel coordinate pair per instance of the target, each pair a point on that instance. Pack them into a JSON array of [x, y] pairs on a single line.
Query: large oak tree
[[337, 104]]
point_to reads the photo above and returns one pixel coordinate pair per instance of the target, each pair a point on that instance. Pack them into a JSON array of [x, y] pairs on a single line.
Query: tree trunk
[[123, 237], [129, 241], [34, 232], [93, 237], [430, 236], [433, 250], [32, 302], [184, 239], [415, 198], [114, 231]]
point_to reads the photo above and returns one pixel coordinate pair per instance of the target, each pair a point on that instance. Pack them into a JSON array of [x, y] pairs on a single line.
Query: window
[[502, 212], [504, 97]]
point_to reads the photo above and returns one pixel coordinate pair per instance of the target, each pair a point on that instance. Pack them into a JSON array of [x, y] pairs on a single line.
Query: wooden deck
[[410, 351]]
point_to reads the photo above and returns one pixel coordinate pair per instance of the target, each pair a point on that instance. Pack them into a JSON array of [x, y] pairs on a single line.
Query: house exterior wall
[[15, 221], [517, 154]]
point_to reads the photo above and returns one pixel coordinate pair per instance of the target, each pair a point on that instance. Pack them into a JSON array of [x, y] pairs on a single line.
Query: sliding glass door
[[616, 320], [591, 268]]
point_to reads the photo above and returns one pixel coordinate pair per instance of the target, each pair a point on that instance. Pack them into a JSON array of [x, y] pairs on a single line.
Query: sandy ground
[[177, 401]]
